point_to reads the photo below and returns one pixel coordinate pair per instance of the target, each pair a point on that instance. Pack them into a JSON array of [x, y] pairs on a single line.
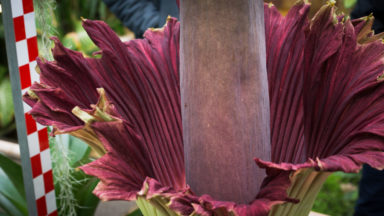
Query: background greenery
[[338, 195]]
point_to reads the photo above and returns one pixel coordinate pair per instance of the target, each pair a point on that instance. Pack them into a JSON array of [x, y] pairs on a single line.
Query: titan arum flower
[[326, 112]]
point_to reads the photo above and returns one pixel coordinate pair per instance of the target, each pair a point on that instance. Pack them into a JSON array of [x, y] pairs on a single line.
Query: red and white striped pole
[[22, 50]]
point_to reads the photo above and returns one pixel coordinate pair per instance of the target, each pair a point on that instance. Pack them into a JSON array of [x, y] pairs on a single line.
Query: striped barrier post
[[22, 50]]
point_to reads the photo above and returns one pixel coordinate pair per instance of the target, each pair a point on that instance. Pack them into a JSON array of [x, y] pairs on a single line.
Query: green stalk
[[306, 184]]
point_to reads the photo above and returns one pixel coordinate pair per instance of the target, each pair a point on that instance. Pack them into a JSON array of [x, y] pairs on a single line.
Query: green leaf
[[135, 212], [77, 182], [86, 199], [3, 71], [6, 103], [156, 206], [8, 206], [12, 187], [93, 9], [79, 152], [102, 11], [9, 192], [349, 3], [14, 173]]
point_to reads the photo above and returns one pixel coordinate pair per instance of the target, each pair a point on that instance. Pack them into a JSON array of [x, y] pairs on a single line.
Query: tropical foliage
[[12, 194], [7, 123], [73, 187]]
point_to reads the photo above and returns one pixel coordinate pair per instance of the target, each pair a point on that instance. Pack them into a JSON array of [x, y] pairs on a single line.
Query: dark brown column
[[224, 94]]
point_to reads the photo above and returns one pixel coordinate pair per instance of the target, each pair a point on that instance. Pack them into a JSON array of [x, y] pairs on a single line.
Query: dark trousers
[[371, 193], [371, 188]]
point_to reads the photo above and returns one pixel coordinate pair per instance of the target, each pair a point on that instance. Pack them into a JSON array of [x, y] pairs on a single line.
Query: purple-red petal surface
[[141, 82]]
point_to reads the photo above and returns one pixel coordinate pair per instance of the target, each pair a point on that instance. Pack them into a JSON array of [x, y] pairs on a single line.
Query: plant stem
[[306, 184], [224, 94]]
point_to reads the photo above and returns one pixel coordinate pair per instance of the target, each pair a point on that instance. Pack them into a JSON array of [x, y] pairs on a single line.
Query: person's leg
[[371, 193], [371, 188]]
